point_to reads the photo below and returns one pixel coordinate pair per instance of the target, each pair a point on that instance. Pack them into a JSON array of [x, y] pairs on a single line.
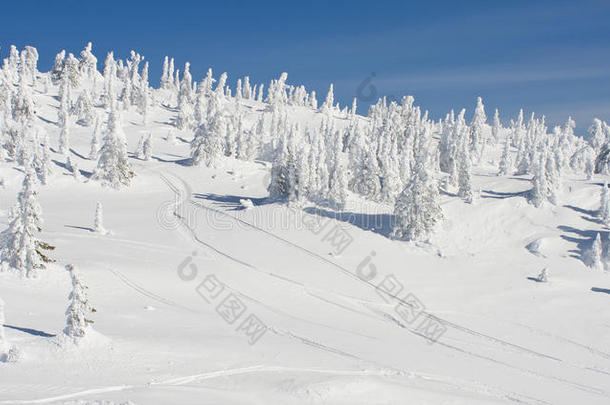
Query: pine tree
[[113, 168], [79, 309], [22, 250], [99, 219]]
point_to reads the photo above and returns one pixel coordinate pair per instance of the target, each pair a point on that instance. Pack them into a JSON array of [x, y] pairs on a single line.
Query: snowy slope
[[331, 337]]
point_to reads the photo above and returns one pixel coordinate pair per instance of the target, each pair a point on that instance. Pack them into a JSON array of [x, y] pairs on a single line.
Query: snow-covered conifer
[[113, 168], [147, 147], [83, 109], [604, 209], [95, 136], [329, 103], [477, 139], [497, 127], [79, 309], [506, 163], [99, 219], [464, 169], [417, 208], [595, 253], [208, 142], [22, 250]]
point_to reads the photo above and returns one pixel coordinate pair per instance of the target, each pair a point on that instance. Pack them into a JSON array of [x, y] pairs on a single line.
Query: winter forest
[[87, 153]]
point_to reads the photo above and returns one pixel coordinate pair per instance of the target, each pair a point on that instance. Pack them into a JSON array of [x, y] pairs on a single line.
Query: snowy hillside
[[238, 244]]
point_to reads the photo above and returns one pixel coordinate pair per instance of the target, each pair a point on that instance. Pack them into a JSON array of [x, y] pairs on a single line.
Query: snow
[[159, 336]]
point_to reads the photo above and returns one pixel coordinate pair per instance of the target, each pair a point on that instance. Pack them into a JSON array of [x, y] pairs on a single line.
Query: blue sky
[[551, 57]]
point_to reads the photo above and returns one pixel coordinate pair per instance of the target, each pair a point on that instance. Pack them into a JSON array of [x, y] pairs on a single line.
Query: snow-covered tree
[[208, 143], [506, 163], [497, 126], [113, 168], [42, 159], [329, 103], [477, 139], [594, 255], [22, 250], [464, 169], [147, 147], [79, 309], [99, 219], [596, 135], [76, 172], [83, 109], [95, 143], [604, 209], [88, 62], [417, 209]]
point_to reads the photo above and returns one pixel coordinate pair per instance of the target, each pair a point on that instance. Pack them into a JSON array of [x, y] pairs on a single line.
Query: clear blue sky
[[552, 57]]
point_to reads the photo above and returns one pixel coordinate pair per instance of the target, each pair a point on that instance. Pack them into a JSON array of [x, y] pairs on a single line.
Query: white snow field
[[208, 292]]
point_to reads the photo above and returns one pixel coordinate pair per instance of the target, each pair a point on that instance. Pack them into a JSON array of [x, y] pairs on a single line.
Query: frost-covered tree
[[338, 186], [95, 143], [329, 103], [99, 219], [88, 62], [545, 182], [506, 164], [596, 135], [417, 209], [147, 147], [58, 66], [593, 257], [207, 145], [604, 209], [83, 109], [76, 172], [464, 169], [477, 139], [22, 250], [497, 126], [140, 148], [42, 159], [113, 168], [79, 309]]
